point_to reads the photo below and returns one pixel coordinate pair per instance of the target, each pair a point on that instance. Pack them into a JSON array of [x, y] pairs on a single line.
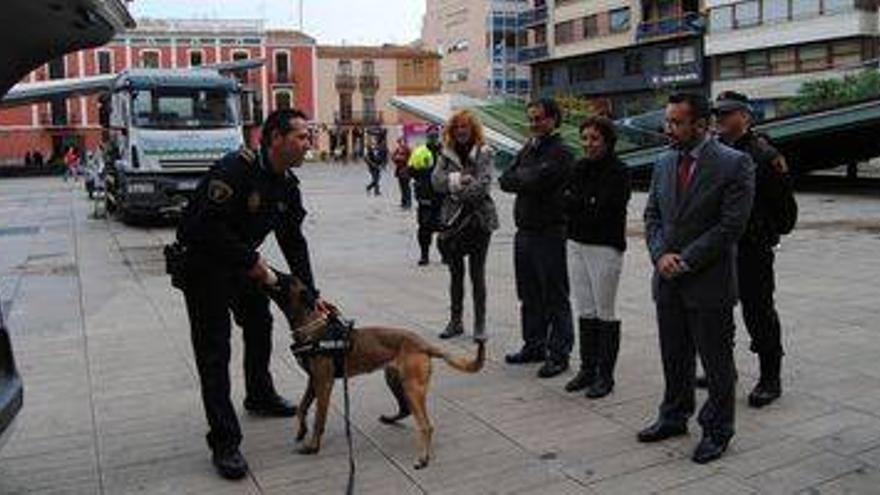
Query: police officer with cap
[[243, 198], [755, 259]]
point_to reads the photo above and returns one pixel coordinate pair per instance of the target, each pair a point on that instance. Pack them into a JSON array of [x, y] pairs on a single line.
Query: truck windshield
[[176, 108]]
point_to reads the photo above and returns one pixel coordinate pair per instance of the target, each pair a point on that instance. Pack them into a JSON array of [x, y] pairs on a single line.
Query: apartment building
[[769, 48], [479, 41], [624, 56]]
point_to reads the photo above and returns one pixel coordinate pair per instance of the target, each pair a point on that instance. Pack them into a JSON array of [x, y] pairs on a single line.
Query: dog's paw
[[308, 450], [420, 463], [301, 434]]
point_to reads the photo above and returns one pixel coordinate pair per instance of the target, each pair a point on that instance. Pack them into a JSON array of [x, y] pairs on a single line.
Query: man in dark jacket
[[237, 204], [538, 177], [755, 254], [421, 165]]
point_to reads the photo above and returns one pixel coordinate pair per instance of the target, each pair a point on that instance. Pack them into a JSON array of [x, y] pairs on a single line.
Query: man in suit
[[698, 207]]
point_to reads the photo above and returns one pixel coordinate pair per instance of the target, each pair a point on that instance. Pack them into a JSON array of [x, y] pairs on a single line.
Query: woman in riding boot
[[596, 201], [463, 176]]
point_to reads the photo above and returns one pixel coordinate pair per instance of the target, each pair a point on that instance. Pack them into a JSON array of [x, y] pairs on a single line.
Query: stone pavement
[[112, 406]]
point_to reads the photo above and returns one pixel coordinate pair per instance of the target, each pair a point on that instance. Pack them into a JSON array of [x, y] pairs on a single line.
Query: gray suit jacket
[[703, 225]]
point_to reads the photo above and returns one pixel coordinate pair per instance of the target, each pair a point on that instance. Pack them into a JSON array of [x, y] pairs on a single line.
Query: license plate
[[187, 185]]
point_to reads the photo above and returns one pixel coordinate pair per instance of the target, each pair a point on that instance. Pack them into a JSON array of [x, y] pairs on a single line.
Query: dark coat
[[595, 202]]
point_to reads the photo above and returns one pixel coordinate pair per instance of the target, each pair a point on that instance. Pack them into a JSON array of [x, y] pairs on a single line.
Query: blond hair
[[469, 118]]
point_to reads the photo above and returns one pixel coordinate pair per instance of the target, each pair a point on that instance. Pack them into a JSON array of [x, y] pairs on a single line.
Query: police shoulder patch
[[219, 191], [247, 154]]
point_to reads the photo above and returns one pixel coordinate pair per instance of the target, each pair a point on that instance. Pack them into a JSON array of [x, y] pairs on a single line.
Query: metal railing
[[369, 117], [533, 17], [531, 53], [691, 23], [345, 82], [368, 82]]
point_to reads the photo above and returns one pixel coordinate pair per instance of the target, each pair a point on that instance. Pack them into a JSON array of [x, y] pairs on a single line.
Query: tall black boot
[[587, 334], [479, 319], [769, 387], [609, 346]]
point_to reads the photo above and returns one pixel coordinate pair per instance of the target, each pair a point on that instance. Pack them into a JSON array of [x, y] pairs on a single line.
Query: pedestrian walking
[[400, 158]]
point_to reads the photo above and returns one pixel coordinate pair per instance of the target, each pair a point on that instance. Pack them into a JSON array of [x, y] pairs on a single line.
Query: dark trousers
[[542, 287], [709, 333], [405, 191], [375, 177], [756, 285], [209, 299], [477, 267], [427, 218]]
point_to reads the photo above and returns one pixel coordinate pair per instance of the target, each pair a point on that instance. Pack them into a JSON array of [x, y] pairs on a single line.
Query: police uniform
[[755, 251], [237, 204]]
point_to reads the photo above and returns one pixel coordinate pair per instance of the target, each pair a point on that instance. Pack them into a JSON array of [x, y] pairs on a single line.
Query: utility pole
[[301, 15]]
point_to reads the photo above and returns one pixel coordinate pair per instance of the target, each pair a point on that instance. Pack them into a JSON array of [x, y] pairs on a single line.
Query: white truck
[[164, 129]]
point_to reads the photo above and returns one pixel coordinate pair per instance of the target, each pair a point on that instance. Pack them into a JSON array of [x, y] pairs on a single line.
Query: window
[[545, 76], [239, 55], [783, 61], [196, 58], [748, 14], [541, 35], [344, 67], [668, 9], [619, 20], [829, 6], [591, 26], [369, 104], [804, 8], [564, 32], [589, 70], [368, 68], [632, 64], [282, 67], [774, 11], [150, 59], [721, 18], [730, 67], [847, 52], [105, 62], [813, 57], [283, 99], [757, 64], [345, 106], [679, 55]]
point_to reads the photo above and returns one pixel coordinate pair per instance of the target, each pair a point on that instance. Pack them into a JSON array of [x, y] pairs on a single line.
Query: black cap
[[729, 101]]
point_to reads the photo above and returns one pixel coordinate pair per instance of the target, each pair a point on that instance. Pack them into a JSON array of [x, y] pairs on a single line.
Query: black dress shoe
[[709, 450], [453, 329], [523, 357], [553, 367], [661, 431], [277, 407], [230, 464], [764, 394]]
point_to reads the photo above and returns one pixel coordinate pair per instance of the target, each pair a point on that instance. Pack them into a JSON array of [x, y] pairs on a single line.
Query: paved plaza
[[111, 392]]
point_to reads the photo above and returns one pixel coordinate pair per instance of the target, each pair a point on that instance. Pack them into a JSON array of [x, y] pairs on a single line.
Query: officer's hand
[[262, 273], [325, 307], [669, 265]]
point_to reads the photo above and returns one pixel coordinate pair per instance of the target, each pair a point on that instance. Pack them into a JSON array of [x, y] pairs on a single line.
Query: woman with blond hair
[[463, 176]]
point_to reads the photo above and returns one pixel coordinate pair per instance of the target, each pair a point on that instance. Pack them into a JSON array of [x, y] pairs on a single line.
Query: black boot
[[585, 377], [229, 463], [769, 387], [453, 329], [608, 343], [479, 320]]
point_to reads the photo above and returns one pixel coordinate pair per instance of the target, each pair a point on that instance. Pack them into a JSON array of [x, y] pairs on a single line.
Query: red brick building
[[288, 77]]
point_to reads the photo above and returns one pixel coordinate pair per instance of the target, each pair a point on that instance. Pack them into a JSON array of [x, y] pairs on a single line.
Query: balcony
[[532, 53], [533, 17], [369, 117], [345, 83], [283, 78], [368, 83], [689, 24]]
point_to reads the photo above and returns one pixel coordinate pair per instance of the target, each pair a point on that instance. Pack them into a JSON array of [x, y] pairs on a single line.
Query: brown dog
[[405, 356]]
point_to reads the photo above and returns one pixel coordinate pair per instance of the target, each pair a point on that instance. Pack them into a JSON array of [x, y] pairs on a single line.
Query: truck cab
[[165, 130]]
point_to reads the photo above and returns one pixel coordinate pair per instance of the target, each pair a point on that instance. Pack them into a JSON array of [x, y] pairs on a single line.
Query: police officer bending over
[[772, 214], [242, 198]]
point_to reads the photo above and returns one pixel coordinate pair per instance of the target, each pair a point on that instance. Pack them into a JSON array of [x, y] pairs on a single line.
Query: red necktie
[[685, 171]]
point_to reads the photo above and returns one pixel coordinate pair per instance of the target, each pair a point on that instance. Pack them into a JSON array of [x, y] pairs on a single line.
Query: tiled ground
[[112, 398]]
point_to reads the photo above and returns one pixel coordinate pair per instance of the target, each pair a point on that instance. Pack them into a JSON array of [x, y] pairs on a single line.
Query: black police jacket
[[595, 201], [772, 185], [538, 176], [236, 205]]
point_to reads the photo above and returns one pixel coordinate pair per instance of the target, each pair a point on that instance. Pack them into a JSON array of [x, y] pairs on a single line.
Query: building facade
[[622, 56], [769, 48], [356, 83], [287, 78], [479, 42]]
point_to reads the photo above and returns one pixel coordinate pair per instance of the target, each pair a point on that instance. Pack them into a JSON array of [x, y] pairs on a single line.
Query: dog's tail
[[462, 363]]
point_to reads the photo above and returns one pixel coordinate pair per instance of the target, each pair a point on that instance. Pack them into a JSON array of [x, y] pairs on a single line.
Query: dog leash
[[346, 411]]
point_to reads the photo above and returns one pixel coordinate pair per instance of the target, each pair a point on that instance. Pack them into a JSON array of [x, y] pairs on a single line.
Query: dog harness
[[335, 342]]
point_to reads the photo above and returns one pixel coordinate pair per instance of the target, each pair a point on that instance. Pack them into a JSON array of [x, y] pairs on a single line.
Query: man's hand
[[262, 274], [670, 265], [325, 307]]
